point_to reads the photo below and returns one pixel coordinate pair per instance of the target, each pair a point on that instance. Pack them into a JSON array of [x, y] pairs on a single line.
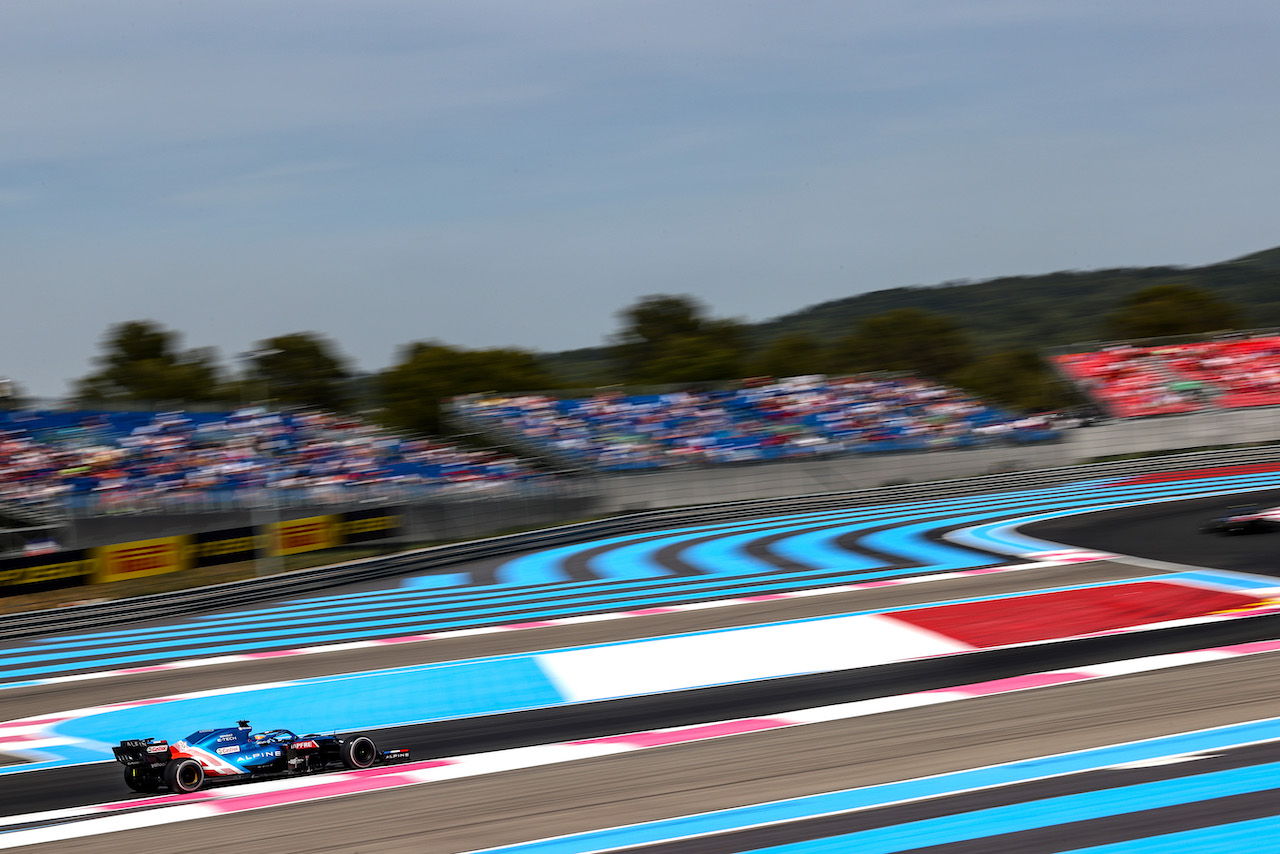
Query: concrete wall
[[427, 521], [679, 488], [1172, 432]]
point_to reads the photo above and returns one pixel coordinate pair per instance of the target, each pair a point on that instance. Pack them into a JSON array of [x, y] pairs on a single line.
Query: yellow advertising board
[[305, 535], [141, 558], [354, 530], [40, 570]]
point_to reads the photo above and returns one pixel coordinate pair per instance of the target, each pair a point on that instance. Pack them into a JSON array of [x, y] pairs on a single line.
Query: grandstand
[[57, 463], [762, 420], [1126, 380], [74, 459]]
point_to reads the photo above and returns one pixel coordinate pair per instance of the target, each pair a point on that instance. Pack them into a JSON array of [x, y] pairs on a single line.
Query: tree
[[668, 339], [1017, 378], [140, 363], [1170, 309], [905, 339], [12, 395], [301, 368], [429, 372], [695, 358], [790, 355]]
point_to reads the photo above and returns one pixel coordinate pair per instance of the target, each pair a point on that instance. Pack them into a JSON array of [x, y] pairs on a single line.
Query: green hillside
[[1047, 310], [1009, 313]]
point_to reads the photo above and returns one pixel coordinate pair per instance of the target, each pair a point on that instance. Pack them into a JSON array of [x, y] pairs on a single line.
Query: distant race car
[[236, 753], [1244, 519]]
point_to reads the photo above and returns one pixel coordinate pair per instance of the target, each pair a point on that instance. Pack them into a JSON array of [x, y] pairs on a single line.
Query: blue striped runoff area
[[985, 823], [494, 685]]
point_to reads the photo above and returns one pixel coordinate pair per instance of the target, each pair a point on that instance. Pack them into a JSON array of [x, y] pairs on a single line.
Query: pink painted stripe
[[151, 669], [26, 722], [1250, 648], [387, 775], [347, 786], [1016, 683], [274, 653], [133, 704], [1259, 611], [404, 767], [159, 801], [407, 639]]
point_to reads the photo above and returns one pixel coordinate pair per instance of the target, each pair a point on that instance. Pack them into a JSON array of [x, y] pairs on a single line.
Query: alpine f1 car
[[1244, 519], [236, 753]]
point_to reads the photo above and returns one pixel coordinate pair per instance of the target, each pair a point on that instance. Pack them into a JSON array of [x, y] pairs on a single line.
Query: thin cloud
[[499, 174]]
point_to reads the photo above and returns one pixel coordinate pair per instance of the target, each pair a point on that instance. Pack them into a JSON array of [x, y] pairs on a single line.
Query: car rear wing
[[142, 751]]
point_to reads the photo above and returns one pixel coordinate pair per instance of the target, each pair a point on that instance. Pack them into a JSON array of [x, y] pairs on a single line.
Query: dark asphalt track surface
[[1171, 533], [59, 788], [517, 806]]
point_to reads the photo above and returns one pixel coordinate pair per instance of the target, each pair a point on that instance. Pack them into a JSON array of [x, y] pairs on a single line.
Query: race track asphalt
[[61, 788], [1171, 533], [517, 806]]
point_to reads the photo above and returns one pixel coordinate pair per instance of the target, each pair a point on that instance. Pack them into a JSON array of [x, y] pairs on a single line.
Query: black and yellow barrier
[[70, 567], [144, 558], [140, 559]]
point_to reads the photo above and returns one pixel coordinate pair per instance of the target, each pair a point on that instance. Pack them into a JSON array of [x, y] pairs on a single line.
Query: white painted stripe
[[740, 655], [1160, 761], [106, 824], [30, 744], [1156, 662], [879, 705], [218, 692]]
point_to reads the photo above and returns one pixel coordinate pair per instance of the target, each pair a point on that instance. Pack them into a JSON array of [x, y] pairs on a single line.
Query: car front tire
[[359, 752]]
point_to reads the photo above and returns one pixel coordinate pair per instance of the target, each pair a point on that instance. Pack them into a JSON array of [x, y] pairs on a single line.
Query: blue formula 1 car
[[237, 753]]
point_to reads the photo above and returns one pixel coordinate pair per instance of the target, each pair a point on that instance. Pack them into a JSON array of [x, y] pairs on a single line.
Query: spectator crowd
[[47, 456], [1226, 373], [128, 458], [765, 419]]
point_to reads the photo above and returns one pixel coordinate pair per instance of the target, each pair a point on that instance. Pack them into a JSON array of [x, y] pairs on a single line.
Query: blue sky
[[514, 174]]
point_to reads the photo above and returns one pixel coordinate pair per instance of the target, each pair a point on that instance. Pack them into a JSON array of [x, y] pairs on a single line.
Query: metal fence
[[291, 498]]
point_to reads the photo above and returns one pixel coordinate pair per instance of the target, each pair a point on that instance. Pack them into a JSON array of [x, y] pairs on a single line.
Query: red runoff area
[[1067, 613], [1197, 474]]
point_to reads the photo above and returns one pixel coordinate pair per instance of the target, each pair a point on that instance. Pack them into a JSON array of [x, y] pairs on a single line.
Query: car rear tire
[[135, 779], [183, 776], [359, 752]]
